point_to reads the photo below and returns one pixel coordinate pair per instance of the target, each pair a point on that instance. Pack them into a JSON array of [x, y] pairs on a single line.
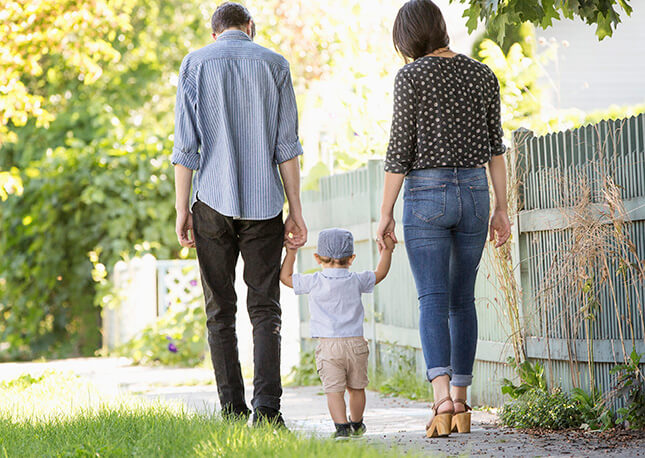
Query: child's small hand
[[290, 247], [389, 242]]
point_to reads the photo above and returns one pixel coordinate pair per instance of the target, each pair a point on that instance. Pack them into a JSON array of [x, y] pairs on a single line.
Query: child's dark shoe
[[343, 430], [358, 427]]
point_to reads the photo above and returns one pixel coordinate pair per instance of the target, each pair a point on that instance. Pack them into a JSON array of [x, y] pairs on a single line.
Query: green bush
[[97, 179], [631, 386], [100, 197], [22, 382], [540, 409], [305, 373], [531, 377], [401, 378], [534, 406], [593, 409], [178, 338]]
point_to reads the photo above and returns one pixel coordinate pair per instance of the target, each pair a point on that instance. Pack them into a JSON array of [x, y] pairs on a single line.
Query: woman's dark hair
[[229, 14], [419, 29]]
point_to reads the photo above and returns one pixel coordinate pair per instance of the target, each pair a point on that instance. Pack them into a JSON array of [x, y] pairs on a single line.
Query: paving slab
[[391, 421]]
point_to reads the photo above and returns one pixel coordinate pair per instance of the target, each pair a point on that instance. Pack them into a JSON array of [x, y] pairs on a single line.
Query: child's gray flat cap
[[335, 243]]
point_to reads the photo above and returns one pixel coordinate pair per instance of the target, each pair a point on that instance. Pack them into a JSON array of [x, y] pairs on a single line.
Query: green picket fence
[[552, 329]]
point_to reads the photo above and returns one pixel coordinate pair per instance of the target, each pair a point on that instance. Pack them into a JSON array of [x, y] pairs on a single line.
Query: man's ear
[[250, 29], [351, 260], [317, 258], [214, 35]]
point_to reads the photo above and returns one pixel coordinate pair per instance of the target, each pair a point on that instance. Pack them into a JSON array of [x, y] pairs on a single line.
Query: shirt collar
[[233, 35], [331, 272]]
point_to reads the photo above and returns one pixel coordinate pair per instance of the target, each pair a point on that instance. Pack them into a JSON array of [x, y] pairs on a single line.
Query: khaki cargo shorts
[[342, 363]]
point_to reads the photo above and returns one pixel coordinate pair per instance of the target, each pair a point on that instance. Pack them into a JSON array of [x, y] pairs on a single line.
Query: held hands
[[388, 241], [385, 237], [184, 229], [295, 231], [500, 226]]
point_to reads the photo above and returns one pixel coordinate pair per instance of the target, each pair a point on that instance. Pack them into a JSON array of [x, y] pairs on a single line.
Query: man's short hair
[[229, 14]]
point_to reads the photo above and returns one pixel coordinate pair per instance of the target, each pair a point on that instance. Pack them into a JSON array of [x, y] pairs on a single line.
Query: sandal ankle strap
[[463, 401], [435, 405]]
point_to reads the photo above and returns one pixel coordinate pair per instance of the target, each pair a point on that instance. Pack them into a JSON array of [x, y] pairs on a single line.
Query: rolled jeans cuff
[[461, 380], [435, 372]]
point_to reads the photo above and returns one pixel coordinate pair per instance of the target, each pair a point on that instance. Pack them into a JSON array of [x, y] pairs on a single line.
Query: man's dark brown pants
[[219, 241]]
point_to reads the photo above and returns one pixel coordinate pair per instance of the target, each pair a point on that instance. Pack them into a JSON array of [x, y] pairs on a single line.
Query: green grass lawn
[[66, 416]]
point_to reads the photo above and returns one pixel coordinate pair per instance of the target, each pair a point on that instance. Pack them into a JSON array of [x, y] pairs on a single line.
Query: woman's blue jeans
[[445, 225]]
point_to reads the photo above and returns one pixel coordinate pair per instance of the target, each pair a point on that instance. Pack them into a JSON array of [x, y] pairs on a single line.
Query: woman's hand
[[391, 187], [385, 229], [500, 226]]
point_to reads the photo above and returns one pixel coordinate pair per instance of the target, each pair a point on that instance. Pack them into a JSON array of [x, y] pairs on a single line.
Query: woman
[[445, 128]]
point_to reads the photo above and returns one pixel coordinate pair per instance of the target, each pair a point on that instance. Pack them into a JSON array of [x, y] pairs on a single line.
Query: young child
[[337, 314]]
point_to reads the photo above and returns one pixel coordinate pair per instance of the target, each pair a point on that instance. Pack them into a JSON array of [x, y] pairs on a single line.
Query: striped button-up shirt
[[235, 121]]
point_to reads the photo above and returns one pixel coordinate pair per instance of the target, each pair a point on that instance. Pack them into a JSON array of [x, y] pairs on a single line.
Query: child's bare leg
[[356, 404], [337, 408]]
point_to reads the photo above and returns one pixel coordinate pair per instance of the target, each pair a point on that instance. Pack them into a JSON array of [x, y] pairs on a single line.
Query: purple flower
[[172, 347], [168, 338], [193, 283]]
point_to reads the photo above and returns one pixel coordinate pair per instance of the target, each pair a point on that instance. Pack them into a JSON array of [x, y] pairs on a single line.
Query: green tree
[[37, 37], [96, 178], [500, 14]]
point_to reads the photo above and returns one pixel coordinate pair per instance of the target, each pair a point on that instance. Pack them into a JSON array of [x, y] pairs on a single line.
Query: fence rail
[[547, 166]]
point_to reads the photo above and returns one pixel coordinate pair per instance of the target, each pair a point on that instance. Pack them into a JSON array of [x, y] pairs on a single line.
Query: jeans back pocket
[[428, 202], [481, 201]]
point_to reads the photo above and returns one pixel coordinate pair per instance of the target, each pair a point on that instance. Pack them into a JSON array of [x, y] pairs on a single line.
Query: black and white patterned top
[[446, 114]]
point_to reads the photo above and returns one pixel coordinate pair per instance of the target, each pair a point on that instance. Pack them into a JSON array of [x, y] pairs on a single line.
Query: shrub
[[540, 409], [535, 407], [176, 339], [531, 377], [593, 409], [402, 378], [631, 386], [82, 198], [305, 373]]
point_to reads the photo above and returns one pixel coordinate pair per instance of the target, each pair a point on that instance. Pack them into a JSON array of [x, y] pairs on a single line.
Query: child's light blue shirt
[[335, 305]]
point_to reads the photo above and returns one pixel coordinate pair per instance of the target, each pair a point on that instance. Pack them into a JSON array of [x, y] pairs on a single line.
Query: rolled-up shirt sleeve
[[186, 142], [402, 147], [287, 143], [494, 120]]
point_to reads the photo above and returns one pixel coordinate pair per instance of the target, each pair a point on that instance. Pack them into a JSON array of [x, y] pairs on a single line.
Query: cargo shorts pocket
[[360, 348]]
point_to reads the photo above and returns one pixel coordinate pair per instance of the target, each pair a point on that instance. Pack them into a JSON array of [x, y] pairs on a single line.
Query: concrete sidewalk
[[390, 421]]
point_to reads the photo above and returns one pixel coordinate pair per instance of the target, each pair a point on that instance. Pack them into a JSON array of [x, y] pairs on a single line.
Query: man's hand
[[184, 229], [295, 231], [500, 226]]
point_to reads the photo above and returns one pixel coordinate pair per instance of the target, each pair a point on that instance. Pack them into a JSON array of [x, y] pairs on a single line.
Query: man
[[236, 125]]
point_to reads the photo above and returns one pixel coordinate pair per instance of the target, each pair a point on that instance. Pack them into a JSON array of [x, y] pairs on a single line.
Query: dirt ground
[[391, 421]]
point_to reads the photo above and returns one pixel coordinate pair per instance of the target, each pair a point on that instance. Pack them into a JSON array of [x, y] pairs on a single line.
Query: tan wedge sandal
[[441, 422], [461, 420]]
